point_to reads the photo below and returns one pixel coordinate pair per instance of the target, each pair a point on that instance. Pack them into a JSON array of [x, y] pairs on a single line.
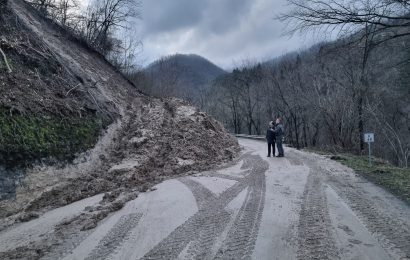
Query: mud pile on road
[[158, 139], [140, 140]]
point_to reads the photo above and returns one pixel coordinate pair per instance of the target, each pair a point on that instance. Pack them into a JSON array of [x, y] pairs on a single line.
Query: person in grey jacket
[[270, 138], [279, 133]]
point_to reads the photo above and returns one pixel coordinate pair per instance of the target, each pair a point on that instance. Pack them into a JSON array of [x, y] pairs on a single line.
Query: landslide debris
[[158, 139], [61, 99]]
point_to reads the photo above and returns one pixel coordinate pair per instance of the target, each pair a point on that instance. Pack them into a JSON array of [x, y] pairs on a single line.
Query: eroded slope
[[141, 140]]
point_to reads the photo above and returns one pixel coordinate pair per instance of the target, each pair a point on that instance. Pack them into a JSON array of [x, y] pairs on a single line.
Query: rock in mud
[[25, 217], [89, 225]]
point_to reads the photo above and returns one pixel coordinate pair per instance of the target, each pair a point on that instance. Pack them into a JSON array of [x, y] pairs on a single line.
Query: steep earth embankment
[[64, 102]]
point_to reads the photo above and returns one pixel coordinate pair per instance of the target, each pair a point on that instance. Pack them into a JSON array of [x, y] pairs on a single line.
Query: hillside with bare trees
[[333, 93]]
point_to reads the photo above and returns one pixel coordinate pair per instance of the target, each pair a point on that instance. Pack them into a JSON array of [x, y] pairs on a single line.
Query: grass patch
[[382, 173], [394, 179], [27, 138]]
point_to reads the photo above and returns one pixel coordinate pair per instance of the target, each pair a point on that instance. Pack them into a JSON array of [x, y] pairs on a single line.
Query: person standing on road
[[279, 133], [270, 138]]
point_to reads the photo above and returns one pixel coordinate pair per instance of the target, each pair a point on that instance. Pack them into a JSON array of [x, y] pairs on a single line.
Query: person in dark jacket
[[270, 138], [279, 133]]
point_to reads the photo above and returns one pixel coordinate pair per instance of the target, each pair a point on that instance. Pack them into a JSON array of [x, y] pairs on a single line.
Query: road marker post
[[369, 138]]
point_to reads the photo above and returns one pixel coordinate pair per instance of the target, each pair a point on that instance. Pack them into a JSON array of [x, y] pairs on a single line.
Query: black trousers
[[271, 146]]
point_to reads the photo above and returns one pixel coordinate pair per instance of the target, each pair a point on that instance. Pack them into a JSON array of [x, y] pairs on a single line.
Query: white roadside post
[[369, 138]]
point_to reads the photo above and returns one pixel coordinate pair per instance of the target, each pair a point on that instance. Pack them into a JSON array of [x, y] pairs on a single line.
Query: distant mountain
[[193, 69], [181, 75]]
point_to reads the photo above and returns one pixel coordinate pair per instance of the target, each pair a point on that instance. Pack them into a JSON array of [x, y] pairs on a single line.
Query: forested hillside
[[185, 76], [328, 96]]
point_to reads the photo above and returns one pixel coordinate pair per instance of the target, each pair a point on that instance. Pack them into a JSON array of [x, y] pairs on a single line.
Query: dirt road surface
[[303, 206]]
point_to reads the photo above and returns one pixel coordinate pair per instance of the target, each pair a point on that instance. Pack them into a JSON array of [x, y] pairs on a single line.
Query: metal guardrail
[[255, 137]]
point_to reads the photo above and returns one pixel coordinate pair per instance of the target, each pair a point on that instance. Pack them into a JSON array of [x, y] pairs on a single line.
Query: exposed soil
[[44, 80], [146, 151], [148, 141]]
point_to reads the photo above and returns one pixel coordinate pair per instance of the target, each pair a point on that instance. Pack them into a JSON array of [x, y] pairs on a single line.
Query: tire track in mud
[[392, 234], [200, 232], [115, 237], [387, 227], [315, 238], [201, 194], [314, 228], [224, 176], [241, 238]]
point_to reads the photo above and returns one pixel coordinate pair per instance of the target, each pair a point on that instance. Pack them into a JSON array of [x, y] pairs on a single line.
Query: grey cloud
[[169, 15], [223, 31], [224, 15]]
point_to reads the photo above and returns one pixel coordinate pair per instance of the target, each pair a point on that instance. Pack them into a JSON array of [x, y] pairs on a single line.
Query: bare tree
[[104, 17], [3, 4], [350, 15], [374, 22], [398, 141], [328, 95], [225, 102], [125, 52], [5, 61], [165, 77], [65, 11], [246, 81], [44, 6]]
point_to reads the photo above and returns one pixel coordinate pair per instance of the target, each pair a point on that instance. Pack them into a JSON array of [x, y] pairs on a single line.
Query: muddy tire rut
[[199, 233], [392, 233], [316, 235]]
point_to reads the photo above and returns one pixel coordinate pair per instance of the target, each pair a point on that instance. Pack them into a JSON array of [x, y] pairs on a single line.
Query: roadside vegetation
[[395, 179], [381, 172]]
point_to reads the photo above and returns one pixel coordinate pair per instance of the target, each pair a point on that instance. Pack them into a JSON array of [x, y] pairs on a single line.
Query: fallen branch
[[68, 92], [5, 61], [95, 101]]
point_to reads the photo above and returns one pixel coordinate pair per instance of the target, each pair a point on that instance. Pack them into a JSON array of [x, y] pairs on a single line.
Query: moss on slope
[[27, 138]]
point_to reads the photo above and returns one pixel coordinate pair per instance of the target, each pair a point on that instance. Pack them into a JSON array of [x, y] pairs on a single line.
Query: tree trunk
[[295, 123], [3, 4], [360, 123], [305, 134], [315, 135]]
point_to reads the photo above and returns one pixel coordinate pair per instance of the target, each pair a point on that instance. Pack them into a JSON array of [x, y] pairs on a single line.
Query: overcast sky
[[223, 31]]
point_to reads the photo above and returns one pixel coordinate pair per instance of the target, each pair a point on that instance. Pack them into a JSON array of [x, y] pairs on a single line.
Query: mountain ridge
[[181, 75]]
